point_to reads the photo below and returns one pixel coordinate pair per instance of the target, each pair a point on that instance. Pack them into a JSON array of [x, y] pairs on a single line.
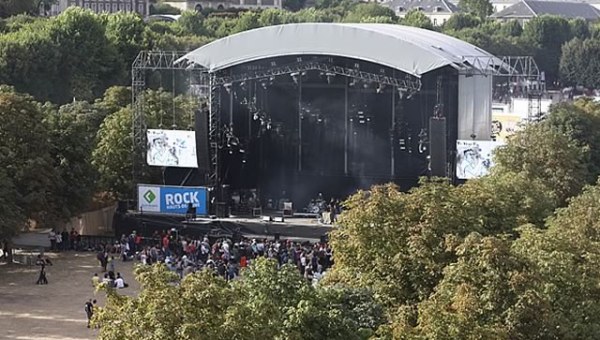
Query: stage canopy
[[409, 49]]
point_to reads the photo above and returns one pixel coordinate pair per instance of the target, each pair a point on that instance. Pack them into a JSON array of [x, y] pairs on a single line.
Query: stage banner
[[172, 199], [175, 148], [474, 158], [504, 125]]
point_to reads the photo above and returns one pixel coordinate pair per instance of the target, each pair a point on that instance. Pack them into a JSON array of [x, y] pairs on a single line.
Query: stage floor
[[292, 228]]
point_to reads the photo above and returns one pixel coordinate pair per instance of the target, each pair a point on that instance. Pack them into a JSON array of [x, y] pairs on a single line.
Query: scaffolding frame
[[145, 62], [211, 84]]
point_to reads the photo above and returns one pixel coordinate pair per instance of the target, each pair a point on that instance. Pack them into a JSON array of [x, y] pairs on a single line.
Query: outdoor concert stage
[[301, 109]]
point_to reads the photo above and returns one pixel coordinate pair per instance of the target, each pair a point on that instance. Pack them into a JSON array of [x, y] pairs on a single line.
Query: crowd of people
[[185, 255], [60, 241]]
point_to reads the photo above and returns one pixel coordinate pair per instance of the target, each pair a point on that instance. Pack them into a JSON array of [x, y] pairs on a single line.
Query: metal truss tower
[[145, 63]]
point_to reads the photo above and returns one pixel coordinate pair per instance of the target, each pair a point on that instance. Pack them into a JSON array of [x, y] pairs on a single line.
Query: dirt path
[[54, 311]]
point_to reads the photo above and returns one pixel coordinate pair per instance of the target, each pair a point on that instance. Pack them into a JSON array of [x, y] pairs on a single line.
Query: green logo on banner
[[149, 196]]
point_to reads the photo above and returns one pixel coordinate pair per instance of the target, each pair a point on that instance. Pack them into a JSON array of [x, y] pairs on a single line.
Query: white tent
[[411, 50]]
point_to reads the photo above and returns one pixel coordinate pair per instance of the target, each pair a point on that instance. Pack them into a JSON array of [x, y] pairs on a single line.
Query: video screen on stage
[[173, 148], [474, 158]]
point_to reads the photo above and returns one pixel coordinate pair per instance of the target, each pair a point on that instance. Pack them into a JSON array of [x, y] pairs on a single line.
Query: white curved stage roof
[[409, 49]]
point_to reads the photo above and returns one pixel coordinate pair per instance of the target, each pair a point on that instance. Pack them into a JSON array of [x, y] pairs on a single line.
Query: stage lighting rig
[[227, 87], [402, 93], [296, 76], [330, 77], [380, 88], [264, 83]]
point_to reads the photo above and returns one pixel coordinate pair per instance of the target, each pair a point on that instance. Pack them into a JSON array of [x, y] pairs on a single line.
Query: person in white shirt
[[120, 283]]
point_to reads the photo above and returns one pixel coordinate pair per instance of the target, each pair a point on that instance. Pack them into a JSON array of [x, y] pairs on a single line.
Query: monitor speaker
[[202, 142], [437, 147]]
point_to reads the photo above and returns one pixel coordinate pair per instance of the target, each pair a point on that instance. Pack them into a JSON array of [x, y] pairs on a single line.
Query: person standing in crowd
[[73, 239], [65, 238], [111, 265], [103, 259], [52, 237], [95, 280], [59, 245], [89, 310]]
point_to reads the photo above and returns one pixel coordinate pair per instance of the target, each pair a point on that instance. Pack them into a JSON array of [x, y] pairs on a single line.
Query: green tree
[[112, 156], [488, 293], [544, 153], [459, 21], [267, 302], [25, 155], [245, 22], [273, 16], [89, 62], [566, 258], [161, 8], [579, 28], [12, 218], [512, 28], [479, 8], [72, 138], [580, 121], [547, 34], [578, 63], [29, 59], [417, 19], [125, 32], [191, 22], [364, 11]]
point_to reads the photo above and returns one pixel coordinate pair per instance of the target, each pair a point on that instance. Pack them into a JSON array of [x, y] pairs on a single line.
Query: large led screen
[[174, 148], [474, 158]]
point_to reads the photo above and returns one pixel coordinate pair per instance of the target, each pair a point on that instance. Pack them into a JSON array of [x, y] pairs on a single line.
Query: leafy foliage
[[543, 153], [479, 8], [266, 302], [578, 62]]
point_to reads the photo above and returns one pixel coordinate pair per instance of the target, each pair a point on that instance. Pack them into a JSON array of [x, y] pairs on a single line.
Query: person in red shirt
[[165, 244]]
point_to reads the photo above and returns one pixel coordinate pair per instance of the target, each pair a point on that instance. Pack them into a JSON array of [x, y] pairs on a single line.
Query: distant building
[[438, 11], [526, 10], [100, 6], [223, 4], [500, 5]]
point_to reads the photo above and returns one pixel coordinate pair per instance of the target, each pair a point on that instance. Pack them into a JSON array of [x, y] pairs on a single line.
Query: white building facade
[[100, 6], [223, 4]]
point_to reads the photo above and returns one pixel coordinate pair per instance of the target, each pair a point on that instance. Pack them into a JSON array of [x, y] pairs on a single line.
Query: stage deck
[[291, 228]]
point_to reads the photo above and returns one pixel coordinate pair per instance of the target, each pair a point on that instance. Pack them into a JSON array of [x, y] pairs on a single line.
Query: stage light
[[269, 126], [401, 93], [242, 151], [256, 116], [295, 77], [380, 88], [227, 87], [264, 83], [352, 82], [330, 77], [243, 85]]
